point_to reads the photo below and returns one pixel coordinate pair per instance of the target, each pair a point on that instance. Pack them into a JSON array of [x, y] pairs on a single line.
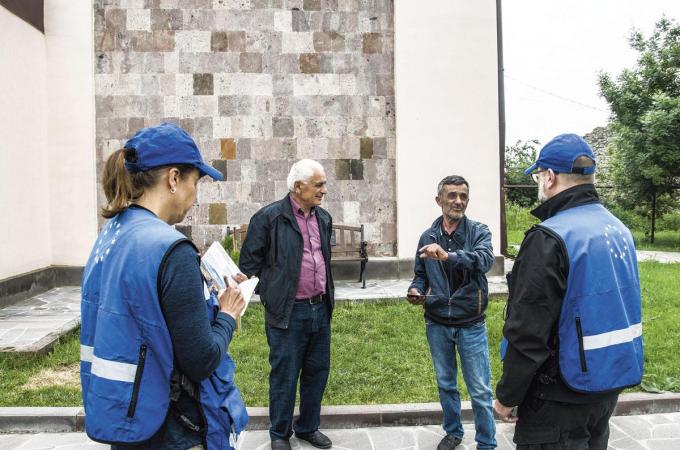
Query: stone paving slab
[[644, 432], [55, 420], [396, 289], [662, 257], [34, 324]]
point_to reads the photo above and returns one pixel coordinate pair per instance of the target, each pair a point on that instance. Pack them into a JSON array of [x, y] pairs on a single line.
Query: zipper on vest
[[581, 351], [479, 301], [138, 381]]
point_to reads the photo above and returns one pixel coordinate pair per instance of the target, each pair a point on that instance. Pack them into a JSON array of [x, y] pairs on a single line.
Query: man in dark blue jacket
[[289, 248], [451, 262]]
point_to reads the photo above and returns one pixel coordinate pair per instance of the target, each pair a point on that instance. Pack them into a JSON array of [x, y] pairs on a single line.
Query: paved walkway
[[647, 432], [662, 257], [32, 325]]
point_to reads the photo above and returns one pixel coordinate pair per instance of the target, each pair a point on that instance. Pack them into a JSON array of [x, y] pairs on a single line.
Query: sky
[[553, 51]]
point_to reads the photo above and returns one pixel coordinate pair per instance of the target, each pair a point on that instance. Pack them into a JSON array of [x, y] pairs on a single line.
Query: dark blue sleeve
[[420, 280], [199, 346]]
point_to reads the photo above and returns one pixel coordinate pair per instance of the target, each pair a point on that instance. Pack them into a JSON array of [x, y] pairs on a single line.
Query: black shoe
[[449, 442], [281, 444], [316, 438]]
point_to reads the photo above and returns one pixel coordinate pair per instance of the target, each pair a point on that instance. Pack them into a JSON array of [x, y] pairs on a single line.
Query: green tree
[[517, 158], [645, 122]]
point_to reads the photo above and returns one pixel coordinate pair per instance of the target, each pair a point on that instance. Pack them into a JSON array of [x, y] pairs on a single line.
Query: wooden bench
[[347, 244], [240, 234]]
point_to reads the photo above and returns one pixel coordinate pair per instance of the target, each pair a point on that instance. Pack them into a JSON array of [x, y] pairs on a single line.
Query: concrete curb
[[72, 419]]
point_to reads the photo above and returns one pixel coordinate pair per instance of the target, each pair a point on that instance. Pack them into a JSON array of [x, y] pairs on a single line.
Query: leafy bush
[[669, 222], [228, 244], [518, 219], [517, 158], [630, 218]]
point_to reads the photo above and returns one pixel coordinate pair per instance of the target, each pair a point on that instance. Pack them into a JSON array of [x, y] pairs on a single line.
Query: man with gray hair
[[451, 262], [288, 247]]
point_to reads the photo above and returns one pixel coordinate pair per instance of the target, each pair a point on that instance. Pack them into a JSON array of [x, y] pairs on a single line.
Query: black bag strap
[[178, 383]]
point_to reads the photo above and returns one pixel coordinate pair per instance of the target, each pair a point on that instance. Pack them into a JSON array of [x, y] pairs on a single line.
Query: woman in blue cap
[[155, 371]]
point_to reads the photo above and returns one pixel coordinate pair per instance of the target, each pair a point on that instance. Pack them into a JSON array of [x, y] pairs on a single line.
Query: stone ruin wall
[[258, 84]]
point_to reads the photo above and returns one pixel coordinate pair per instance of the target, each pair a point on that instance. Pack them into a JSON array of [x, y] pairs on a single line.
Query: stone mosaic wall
[[259, 84]]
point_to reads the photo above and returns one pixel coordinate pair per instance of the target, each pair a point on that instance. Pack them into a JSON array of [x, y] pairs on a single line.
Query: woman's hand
[[231, 301]]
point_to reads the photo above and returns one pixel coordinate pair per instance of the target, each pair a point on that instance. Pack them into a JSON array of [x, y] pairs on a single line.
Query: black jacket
[[537, 285], [272, 251], [474, 257]]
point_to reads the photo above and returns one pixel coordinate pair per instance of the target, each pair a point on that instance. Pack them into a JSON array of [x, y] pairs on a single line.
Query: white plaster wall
[[47, 157], [25, 237], [446, 89], [70, 88]]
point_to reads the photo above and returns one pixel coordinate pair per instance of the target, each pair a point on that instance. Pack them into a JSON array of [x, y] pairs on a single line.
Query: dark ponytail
[[117, 184], [122, 188]]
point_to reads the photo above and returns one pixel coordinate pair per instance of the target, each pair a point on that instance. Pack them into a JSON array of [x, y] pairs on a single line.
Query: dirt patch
[[67, 376]]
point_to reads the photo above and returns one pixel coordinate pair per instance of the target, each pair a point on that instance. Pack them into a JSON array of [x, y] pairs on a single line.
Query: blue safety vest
[[600, 324], [126, 352]]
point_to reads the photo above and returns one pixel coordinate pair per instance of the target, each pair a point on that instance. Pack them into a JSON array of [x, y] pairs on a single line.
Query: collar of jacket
[[582, 194], [287, 212], [458, 235]]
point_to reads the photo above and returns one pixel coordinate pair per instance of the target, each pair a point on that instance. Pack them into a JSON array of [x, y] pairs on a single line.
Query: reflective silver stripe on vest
[[86, 353], [612, 337], [111, 370]]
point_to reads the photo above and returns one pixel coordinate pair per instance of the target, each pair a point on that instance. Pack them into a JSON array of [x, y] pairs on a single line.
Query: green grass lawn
[[664, 241], [519, 219], [379, 352]]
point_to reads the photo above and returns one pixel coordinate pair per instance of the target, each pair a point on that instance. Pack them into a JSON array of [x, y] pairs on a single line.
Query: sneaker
[[449, 442]]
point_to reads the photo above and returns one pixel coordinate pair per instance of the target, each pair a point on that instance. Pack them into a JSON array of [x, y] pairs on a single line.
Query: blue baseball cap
[[560, 153], [164, 145]]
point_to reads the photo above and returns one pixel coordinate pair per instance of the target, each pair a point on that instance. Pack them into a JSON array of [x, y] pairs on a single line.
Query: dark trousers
[[550, 425], [300, 351]]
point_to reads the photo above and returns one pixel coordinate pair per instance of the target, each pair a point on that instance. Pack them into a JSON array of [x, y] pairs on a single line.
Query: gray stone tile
[[634, 426], [504, 434], [616, 433], [252, 440], [666, 430], [61, 441], [13, 440], [657, 419], [392, 438], [663, 444], [33, 324], [384, 438], [626, 444], [356, 439], [428, 437]]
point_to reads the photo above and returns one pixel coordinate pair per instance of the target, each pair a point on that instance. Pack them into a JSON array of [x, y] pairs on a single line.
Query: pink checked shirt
[[312, 279]]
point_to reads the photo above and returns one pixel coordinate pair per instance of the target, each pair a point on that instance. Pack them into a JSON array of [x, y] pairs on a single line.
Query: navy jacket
[[272, 251], [474, 257]]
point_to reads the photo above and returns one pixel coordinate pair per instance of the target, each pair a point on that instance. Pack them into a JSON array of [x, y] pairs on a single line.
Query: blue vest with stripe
[[126, 350], [600, 325]]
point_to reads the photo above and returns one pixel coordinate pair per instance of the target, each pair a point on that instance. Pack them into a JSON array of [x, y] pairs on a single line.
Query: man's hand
[[505, 413], [231, 301], [433, 251], [414, 297]]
